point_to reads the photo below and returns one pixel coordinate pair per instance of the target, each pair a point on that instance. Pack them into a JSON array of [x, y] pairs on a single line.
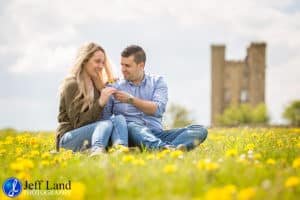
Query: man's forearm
[[147, 107]]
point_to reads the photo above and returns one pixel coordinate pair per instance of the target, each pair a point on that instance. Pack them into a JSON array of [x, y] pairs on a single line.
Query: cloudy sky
[[39, 40]]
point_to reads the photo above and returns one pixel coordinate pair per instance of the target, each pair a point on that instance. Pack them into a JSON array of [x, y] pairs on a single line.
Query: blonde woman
[[83, 96]]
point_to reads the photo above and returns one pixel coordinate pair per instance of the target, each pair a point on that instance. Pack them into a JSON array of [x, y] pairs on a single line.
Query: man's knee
[[134, 126], [203, 132], [199, 131]]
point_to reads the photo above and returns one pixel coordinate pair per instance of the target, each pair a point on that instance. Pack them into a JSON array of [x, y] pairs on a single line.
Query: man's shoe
[[168, 147], [181, 147]]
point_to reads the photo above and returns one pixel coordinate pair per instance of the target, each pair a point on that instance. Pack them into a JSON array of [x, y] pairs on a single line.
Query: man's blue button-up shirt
[[152, 88]]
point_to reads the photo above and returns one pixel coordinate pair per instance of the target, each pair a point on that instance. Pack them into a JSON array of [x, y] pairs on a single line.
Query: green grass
[[235, 163]]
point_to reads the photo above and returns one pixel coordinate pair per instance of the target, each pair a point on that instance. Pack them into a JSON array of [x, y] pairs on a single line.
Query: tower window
[[244, 96]]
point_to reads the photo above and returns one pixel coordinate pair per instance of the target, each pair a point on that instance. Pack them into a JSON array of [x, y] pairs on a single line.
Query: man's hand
[[147, 107], [105, 94], [122, 96]]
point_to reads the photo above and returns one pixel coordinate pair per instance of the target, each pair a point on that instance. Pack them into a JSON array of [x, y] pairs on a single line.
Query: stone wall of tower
[[256, 63], [217, 80], [235, 82]]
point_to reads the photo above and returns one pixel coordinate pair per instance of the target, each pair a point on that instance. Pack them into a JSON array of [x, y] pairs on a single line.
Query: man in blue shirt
[[142, 99]]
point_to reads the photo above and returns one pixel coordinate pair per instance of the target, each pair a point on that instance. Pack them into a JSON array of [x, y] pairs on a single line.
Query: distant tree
[[260, 114], [177, 116], [292, 113], [243, 114]]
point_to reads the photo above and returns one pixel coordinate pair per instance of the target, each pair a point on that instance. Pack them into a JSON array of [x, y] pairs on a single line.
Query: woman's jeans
[[97, 135]]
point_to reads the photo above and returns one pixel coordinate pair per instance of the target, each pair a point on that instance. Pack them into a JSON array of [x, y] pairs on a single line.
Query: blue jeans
[[97, 135], [190, 136]]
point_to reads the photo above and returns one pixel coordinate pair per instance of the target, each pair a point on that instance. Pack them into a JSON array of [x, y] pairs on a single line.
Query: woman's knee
[[107, 124], [120, 118]]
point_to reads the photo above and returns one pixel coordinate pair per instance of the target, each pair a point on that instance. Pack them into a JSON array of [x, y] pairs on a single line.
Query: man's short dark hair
[[137, 52]]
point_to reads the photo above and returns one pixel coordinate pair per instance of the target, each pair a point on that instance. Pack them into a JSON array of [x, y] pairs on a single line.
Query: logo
[[12, 187]]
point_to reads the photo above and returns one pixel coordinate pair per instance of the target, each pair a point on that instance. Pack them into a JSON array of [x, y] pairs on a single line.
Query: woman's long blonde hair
[[85, 96]]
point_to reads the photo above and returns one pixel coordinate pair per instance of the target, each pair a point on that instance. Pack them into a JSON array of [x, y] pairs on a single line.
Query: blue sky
[[39, 40]]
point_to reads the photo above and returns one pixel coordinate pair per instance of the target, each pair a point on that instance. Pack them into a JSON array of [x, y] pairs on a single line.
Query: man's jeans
[[97, 135], [190, 136]]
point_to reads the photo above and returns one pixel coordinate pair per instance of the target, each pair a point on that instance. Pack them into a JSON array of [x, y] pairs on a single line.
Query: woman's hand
[[122, 96], [105, 94], [97, 79]]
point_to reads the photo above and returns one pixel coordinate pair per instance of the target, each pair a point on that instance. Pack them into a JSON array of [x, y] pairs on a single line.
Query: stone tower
[[235, 82]]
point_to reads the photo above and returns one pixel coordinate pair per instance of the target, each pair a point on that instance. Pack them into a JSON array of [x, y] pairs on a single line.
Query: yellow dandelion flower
[[128, 158], [34, 153], [176, 154], [33, 141], [150, 157], [18, 151], [246, 194], [8, 140], [45, 163], [67, 154], [230, 188], [212, 166], [2, 152], [207, 165], [139, 162], [222, 193], [231, 153], [56, 159], [28, 164], [249, 147], [257, 156], [22, 164], [171, 168], [111, 150], [16, 167], [46, 155], [78, 190], [163, 153], [214, 194], [271, 161], [23, 175], [279, 143], [296, 163], [292, 181]]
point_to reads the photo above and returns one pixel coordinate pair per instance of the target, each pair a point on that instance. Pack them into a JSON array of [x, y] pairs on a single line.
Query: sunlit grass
[[233, 163]]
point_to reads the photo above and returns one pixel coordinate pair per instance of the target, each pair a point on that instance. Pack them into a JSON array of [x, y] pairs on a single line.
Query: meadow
[[233, 163]]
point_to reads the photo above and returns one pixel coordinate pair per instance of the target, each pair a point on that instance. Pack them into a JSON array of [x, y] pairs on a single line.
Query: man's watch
[[130, 99]]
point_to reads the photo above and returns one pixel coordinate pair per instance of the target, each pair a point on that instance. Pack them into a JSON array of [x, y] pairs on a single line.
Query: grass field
[[233, 163]]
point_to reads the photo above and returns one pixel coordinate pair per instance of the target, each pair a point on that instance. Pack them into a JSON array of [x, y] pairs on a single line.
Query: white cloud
[[40, 58], [45, 26]]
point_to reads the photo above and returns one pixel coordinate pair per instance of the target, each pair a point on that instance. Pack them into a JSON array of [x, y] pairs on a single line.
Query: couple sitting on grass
[[97, 111]]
